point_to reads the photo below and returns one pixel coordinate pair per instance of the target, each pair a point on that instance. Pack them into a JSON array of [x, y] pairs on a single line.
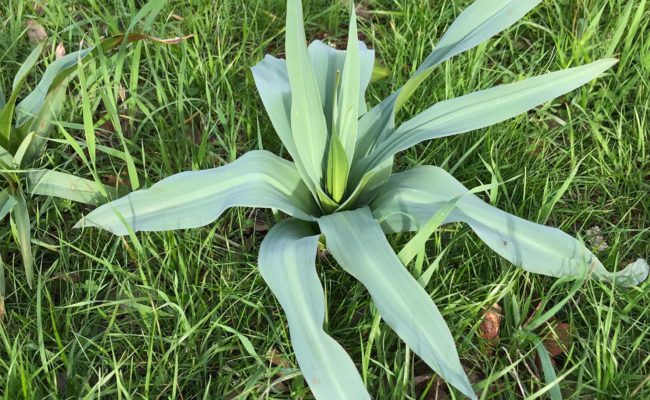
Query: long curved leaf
[[272, 83], [409, 199], [356, 241], [32, 104], [196, 198], [476, 24], [308, 125], [484, 108], [286, 262], [348, 100]]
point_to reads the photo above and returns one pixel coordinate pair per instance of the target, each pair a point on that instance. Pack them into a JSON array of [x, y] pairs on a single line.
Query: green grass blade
[[286, 262], [413, 246], [196, 198], [148, 12], [308, 124], [549, 371], [23, 149], [89, 127], [410, 199], [6, 159], [7, 202], [356, 241], [111, 108]]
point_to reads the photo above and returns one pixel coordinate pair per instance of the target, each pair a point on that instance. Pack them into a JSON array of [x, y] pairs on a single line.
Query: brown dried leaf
[[276, 359], [35, 31], [39, 6], [121, 94], [2, 308], [558, 340], [437, 390], [491, 325], [113, 181], [174, 40], [595, 239], [60, 51]]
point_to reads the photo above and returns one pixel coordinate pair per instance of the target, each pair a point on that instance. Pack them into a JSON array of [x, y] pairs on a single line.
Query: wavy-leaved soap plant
[[24, 128], [340, 185]]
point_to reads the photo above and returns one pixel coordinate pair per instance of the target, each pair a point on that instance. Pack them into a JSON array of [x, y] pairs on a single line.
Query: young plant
[[340, 186], [24, 129]]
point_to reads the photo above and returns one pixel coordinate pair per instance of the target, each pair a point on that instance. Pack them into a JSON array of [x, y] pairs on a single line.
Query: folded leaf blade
[[356, 241], [409, 199], [348, 113], [287, 264], [308, 125]]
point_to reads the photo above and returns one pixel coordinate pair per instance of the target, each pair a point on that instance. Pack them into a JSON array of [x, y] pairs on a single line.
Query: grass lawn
[[186, 315]]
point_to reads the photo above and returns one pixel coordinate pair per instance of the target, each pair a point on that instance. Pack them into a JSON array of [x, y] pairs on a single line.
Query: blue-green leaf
[[197, 198], [272, 83], [410, 199], [287, 264], [31, 105], [308, 125], [26, 67], [326, 60], [356, 241], [476, 24], [59, 184], [484, 108], [348, 99]]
